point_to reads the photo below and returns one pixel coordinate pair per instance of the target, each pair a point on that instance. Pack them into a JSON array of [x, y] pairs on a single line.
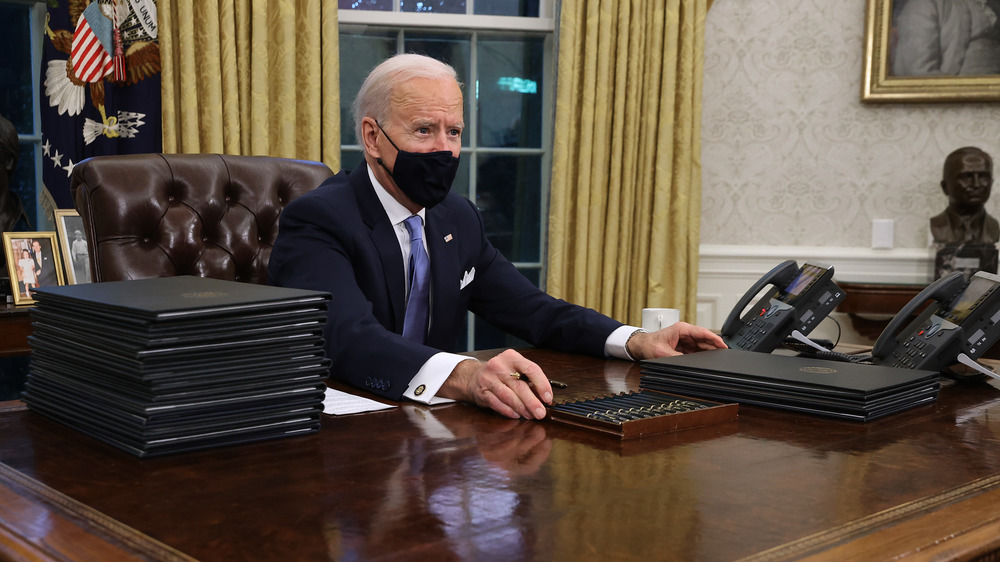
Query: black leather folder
[[196, 435], [226, 343], [184, 298], [179, 366], [177, 333], [845, 390], [173, 364]]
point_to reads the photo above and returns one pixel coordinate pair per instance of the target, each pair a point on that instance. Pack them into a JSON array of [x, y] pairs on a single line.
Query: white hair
[[376, 91]]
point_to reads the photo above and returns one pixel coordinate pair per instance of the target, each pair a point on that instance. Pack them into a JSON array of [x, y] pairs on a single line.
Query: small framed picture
[[73, 243], [32, 261]]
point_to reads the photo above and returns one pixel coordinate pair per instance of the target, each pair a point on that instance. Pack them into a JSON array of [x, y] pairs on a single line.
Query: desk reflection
[[451, 491]]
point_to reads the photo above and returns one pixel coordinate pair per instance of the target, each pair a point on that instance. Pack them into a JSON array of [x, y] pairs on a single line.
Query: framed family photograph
[[73, 243], [931, 51], [32, 261]]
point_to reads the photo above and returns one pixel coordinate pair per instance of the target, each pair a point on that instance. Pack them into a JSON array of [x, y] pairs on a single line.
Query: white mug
[[654, 319]]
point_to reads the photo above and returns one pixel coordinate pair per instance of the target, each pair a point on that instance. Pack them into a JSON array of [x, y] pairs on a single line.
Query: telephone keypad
[[748, 335], [911, 352]]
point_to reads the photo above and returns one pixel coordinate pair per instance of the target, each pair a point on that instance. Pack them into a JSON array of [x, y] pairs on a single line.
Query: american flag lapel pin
[[447, 238]]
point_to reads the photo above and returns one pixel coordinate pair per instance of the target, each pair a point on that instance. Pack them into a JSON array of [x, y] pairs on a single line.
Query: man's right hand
[[492, 385]]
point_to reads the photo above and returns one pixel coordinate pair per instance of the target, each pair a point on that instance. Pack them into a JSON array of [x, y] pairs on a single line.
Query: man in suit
[[350, 237], [45, 266]]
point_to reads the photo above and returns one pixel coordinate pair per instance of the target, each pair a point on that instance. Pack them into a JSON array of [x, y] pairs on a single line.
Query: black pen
[[524, 377]]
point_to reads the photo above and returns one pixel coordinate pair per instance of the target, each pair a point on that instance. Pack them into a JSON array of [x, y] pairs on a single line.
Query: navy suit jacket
[[337, 238]]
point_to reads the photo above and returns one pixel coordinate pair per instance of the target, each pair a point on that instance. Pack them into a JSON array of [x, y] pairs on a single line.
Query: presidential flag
[[86, 109]]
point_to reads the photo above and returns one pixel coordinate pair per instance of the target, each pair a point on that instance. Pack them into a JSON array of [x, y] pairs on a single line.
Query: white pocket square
[[467, 278]]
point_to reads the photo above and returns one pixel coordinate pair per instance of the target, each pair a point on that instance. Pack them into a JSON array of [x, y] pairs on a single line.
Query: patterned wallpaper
[[791, 157]]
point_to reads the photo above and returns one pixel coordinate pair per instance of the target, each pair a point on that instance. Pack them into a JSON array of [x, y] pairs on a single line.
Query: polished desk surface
[[456, 482]]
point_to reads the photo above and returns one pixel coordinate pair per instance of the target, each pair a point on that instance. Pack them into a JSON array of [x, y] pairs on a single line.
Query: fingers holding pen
[[511, 369], [509, 384]]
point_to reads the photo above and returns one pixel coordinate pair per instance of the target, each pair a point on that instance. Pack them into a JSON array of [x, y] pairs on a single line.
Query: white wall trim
[[901, 265]]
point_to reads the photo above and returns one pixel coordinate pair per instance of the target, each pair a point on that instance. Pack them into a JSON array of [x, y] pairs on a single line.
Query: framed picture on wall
[[915, 52], [32, 261], [73, 242]]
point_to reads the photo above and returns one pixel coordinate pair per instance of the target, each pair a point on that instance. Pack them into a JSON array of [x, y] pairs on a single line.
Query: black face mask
[[424, 177]]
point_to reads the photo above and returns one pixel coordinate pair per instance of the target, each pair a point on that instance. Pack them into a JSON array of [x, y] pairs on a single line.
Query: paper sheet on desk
[[340, 403]]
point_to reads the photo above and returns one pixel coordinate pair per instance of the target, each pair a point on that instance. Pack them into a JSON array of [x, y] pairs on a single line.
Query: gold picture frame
[[29, 245], [880, 84], [74, 245]]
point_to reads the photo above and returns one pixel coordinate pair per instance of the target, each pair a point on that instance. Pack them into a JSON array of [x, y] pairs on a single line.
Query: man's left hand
[[677, 339]]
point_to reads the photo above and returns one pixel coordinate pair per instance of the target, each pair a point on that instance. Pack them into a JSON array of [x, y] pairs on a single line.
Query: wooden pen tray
[[637, 414]]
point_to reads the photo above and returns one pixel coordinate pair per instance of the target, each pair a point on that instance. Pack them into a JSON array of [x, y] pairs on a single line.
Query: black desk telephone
[[799, 299], [958, 327]]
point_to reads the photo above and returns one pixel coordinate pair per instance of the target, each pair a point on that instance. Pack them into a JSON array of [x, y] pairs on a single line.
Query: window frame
[[417, 20], [467, 21], [36, 19]]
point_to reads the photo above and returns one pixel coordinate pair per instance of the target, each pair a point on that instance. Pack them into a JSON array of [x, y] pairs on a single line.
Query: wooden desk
[[455, 482], [15, 327], [870, 306]]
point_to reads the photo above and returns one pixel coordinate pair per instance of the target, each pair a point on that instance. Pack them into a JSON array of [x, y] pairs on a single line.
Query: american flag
[[92, 46]]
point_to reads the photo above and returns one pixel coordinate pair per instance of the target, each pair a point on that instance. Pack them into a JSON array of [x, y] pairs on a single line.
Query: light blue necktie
[[418, 303]]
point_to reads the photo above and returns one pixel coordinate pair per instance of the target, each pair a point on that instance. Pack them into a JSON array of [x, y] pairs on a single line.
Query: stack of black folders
[[166, 365], [849, 391]]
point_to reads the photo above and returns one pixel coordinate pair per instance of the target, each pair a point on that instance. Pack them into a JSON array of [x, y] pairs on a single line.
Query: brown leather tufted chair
[[211, 215]]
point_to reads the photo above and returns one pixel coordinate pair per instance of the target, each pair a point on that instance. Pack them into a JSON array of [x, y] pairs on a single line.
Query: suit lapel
[[445, 273], [384, 239]]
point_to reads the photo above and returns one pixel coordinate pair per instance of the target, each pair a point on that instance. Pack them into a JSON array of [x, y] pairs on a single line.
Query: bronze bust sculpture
[[964, 234], [967, 180]]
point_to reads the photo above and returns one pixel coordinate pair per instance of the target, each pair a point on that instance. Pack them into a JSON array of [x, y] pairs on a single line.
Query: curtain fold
[[256, 77], [625, 200]]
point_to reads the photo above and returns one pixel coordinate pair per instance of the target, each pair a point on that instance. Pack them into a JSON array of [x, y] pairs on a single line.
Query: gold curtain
[[626, 177], [255, 77]]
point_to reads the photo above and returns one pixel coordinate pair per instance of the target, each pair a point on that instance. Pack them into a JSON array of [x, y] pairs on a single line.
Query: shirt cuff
[[614, 346], [428, 380]]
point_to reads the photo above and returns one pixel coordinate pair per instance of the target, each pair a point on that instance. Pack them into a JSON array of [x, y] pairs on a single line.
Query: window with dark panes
[[505, 65], [21, 25], [18, 86]]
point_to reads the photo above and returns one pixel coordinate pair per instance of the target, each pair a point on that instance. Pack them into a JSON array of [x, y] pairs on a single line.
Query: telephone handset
[[964, 319], [799, 299]]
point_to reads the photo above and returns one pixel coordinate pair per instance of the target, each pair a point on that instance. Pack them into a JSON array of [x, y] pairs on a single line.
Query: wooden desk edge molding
[[958, 524], [39, 523]]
